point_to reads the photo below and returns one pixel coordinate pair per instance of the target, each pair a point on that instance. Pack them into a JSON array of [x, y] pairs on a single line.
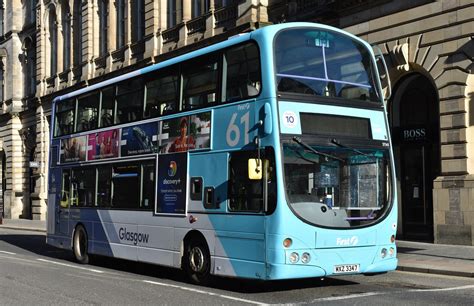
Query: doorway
[[414, 118]]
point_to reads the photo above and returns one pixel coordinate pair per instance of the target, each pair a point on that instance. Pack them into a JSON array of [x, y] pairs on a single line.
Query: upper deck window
[[324, 63], [65, 113]]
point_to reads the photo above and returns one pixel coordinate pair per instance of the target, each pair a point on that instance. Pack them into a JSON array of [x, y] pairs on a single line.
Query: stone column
[[88, 40], [252, 11], [40, 195], [152, 26], [186, 16], [210, 21]]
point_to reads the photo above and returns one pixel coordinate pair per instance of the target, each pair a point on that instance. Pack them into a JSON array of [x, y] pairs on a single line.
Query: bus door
[[64, 202]]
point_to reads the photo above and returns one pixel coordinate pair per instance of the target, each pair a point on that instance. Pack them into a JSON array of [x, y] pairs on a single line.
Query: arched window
[[30, 66], [121, 23], [138, 19], [103, 26], [77, 33], [66, 29], [53, 41]]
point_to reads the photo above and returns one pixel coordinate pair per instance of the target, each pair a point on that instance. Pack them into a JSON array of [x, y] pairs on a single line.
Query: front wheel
[[197, 262], [80, 245]]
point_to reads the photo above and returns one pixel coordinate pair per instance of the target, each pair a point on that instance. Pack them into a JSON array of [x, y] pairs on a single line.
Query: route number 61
[[233, 132]]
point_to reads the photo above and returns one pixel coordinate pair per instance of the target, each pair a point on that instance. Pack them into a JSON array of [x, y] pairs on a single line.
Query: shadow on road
[[36, 244]]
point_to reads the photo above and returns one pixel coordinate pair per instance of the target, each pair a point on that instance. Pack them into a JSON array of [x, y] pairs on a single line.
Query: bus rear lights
[[294, 257], [392, 252], [383, 253], [305, 258], [287, 242], [392, 239]]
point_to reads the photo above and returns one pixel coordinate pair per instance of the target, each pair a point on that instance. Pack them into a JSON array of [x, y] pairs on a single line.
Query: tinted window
[[87, 110], [65, 111], [104, 175], [200, 79], [83, 187], [242, 70], [126, 186], [148, 183], [107, 106], [161, 95], [129, 101]]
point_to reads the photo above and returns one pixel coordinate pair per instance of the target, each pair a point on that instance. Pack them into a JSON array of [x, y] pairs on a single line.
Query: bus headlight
[[294, 257], [392, 252], [305, 258], [383, 253]]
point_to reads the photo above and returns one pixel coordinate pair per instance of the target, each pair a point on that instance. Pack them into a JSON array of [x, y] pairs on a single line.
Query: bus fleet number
[[233, 131]]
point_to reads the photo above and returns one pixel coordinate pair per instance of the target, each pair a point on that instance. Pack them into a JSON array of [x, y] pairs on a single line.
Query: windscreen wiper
[[337, 143], [307, 147]]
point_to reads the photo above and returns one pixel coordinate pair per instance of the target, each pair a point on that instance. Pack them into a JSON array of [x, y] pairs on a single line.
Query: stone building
[[50, 47]]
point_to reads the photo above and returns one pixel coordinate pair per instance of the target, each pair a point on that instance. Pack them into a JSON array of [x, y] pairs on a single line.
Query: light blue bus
[[266, 156]]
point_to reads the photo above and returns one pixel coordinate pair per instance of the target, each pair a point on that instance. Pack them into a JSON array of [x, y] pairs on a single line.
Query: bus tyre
[[79, 246], [197, 261]]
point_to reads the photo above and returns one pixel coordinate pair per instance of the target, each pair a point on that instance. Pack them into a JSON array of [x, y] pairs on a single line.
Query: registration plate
[[353, 268]]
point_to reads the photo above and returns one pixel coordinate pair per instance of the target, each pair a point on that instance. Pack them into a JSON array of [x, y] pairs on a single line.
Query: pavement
[[454, 260]]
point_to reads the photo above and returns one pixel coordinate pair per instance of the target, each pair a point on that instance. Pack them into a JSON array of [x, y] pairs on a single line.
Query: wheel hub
[[196, 259]]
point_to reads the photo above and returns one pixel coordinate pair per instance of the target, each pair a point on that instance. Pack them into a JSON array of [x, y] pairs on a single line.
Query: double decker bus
[[266, 156]]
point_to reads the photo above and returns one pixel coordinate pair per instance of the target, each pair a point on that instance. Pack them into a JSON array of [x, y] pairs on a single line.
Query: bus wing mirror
[[255, 169], [383, 73]]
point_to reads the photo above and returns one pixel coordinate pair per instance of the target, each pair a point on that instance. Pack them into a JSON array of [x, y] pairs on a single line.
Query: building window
[[121, 22], [30, 11], [66, 28], [222, 3], [53, 41], [103, 26], [29, 61], [199, 7], [171, 14], [77, 28], [138, 20], [2, 18], [2, 80], [31, 71]]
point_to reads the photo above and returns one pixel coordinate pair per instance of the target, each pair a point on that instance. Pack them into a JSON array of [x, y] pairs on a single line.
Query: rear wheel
[[80, 245], [197, 261]]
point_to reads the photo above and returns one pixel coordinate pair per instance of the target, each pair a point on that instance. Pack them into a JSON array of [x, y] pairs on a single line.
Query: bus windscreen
[[323, 63]]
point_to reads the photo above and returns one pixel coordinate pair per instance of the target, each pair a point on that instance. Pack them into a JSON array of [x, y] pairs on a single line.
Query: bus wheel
[[80, 245], [197, 261]]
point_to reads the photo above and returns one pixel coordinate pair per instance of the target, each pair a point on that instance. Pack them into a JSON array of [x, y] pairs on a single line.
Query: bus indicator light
[[287, 242]]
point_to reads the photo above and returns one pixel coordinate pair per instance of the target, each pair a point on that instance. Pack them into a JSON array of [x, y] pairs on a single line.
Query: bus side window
[[104, 177], [87, 111], [129, 101], [65, 188], [83, 187], [161, 95], [65, 111], [200, 80], [242, 71], [107, 107], [148, 185]]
